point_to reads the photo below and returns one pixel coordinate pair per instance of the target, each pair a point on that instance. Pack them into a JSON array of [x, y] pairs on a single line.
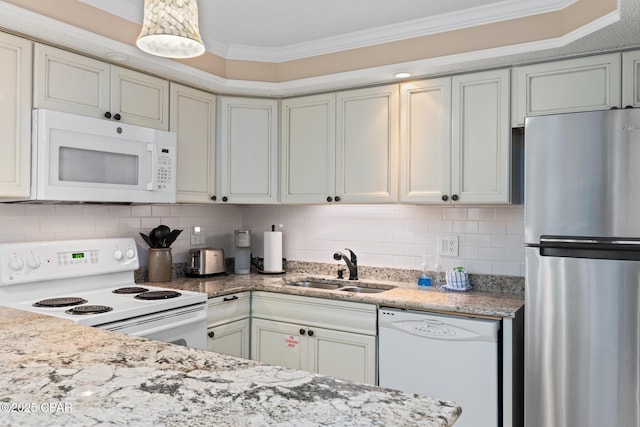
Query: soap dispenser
[[424, 279]]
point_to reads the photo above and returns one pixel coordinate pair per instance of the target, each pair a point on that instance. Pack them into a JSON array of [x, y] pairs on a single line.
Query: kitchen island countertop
[[54, 372], [403, 295]]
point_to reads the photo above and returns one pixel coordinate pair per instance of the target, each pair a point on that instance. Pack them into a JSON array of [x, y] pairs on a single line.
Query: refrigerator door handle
[[619, 248]]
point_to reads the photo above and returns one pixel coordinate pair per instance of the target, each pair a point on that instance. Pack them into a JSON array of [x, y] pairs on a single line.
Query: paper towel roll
[[272, 251]]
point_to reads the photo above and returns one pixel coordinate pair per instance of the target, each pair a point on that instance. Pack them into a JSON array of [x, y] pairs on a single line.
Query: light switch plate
[[197, 235]]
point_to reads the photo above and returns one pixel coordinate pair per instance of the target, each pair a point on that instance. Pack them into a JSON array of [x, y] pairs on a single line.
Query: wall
[[382, 235], [490, 238], [34, 222]]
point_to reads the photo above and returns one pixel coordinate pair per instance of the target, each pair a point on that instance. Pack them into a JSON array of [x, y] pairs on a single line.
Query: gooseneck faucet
[[351, 264]]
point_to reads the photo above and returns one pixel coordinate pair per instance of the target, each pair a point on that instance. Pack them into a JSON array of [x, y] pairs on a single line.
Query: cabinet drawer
[[228, 308], [320, 312]]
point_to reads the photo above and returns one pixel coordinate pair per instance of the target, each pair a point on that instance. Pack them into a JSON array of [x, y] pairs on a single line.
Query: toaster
[[206, 262]]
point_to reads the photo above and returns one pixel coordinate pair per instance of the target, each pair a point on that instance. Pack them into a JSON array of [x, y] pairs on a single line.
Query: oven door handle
[[202, 315]]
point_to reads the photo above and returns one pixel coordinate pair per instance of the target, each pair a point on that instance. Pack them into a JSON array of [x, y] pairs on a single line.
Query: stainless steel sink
[[362, 290], [317, 285], [340, 286]]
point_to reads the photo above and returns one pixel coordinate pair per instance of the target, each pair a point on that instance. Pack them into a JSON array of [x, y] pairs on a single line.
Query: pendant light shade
[[170, 29]]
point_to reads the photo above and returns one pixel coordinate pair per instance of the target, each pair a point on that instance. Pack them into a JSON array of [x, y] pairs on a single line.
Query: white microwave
[[84, 159]]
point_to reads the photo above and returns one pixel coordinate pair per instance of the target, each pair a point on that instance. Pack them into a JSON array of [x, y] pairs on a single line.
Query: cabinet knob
[[214, 198], [117, 117], [302, 331], [211, 334], [225, 198], [107, 115], [454, 197], [310, 333], [337, 198], [329, 199], [445, 197]]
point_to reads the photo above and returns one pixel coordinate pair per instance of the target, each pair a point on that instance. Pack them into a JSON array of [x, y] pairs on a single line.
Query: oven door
[[183, 326]]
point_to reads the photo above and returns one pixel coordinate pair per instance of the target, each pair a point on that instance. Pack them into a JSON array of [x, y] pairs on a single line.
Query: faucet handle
[[354, 258]]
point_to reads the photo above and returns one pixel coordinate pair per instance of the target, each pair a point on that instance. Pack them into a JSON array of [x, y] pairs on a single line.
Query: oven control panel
[[37, 261]]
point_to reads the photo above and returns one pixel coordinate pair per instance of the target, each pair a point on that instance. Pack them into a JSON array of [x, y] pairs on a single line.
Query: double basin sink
[[340, 286]]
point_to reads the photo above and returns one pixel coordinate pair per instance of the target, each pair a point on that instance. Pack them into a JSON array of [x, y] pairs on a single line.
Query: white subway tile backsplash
[[397, 236], [492, 254], [454, 213], [481, 214], [497, 227]]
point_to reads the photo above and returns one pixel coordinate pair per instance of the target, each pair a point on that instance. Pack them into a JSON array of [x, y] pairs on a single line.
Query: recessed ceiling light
[[402, 75], [115, 56]]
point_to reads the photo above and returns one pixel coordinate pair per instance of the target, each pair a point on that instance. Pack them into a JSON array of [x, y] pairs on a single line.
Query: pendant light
[[170, 29]]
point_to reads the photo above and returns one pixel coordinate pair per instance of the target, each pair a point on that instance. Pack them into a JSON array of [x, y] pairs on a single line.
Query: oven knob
[[16, 264], [130, 254], [33, 262], [117, 255]]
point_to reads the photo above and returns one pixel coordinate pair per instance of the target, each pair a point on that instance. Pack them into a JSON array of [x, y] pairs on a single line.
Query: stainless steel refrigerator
[[582, 298]]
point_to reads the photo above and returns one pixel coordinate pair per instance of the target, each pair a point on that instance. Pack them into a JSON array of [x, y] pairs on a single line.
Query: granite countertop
[[404, 295], [55, 372]]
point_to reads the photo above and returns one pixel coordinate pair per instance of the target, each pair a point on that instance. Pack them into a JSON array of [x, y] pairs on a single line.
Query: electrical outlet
[[448, 245]]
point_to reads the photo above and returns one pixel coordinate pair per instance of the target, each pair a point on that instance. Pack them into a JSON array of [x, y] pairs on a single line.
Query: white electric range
[[91, 282]]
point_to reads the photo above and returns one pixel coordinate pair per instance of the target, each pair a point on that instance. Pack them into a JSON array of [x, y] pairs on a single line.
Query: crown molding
[[496, 12], [21, 21]]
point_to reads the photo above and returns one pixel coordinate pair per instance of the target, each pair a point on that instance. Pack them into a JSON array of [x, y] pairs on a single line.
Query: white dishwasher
[[445, 357]]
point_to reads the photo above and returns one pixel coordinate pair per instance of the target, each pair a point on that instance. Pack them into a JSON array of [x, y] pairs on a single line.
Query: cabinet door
[[193, 115], [230, 338], [425, 140], [15, 110], [308, 149], [248, 150], [68, 82], [279, 343], [139, 98], [582, 84], [343, 355], [367, 145], [631, 79], [481, 133]]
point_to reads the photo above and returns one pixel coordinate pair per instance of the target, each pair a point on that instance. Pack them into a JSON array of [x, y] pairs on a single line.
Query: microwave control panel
[[165, 169]]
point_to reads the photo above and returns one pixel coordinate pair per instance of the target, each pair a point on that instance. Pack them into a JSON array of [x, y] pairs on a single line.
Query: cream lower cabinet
[[308, 161], [73, 83], [631, 79], [455, 139], [581, 84], [228, 324], [329, 337], [367, 145], [193, 119], [248, 162], [15, 110]]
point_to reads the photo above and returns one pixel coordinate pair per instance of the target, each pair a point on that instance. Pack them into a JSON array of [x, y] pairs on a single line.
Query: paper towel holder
[[273, 262]]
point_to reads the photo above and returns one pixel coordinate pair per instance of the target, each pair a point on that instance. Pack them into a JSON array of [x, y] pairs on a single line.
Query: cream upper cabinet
[[631, 79], [582, 84], [248, 164], [480, 137], [455, 138], [425, 140], [193, 119], [15, 110], [73, 83], [308, 149], [367, 145]]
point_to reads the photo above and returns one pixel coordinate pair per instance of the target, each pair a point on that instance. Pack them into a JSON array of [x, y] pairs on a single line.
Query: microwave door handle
[[151, 148]]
